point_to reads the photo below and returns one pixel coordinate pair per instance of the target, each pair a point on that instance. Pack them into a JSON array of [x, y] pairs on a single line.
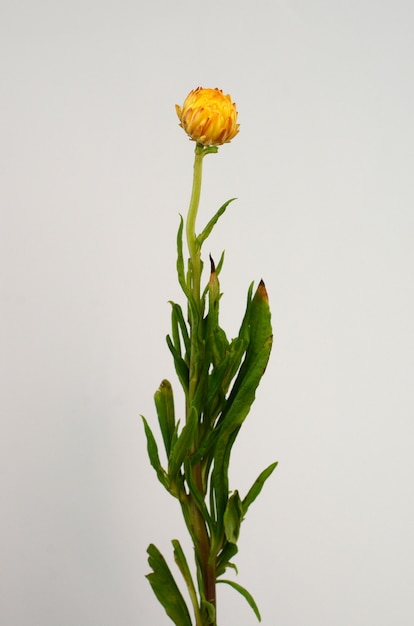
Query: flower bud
[[208, 116]]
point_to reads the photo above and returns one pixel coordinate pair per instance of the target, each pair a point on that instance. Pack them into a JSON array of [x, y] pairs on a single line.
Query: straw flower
[[208, 116]]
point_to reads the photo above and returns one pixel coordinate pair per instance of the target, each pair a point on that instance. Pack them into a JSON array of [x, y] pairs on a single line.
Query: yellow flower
[[208, 116]]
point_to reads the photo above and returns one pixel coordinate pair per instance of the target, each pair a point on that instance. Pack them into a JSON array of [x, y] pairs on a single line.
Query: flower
[[208, 116]]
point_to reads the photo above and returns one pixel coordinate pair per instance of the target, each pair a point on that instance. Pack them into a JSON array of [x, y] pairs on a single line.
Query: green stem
[[195, 520], [193, 247], [192, 243], [202, 549]]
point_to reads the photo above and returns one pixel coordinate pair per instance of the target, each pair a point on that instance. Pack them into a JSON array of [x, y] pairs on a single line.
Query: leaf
[[216, 340], [178, 322], [180, 365], [209, 610], [182, 564], [233, 516], [220, 378], [164, 403], [198, 497], [251, 371], [222, 375], [260, 341], [233, 566], [223, 559], [209, 227], [219, 267], [220, 480], [257, 486], [180, 260], [244, 593], [181, 272], [220, 263], [183, 444], [153, 455], [181, 561], [242, 394], [165, 588]]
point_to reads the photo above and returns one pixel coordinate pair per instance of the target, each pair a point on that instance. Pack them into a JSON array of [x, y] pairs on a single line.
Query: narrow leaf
[[260, 338], [219, 476], [164, 403], [257, 486], [248, 378], [222, 376], [179, 321], [180, 259], [209, 610], [198, 497], [165, 588], [233, 516], [180, 365], [209, 227], [223, 559], [182, 564], [153, 455], [244, 593], [183, 444]]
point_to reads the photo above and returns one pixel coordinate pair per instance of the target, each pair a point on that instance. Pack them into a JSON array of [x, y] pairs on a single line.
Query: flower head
[[208, 116]]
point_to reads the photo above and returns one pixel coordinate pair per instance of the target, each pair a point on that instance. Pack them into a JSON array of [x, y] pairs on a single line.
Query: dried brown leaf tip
[[262, 292]]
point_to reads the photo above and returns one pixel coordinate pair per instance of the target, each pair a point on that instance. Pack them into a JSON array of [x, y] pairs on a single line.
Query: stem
[[195, 521], [192, 243], [193, 248], [201, 540]]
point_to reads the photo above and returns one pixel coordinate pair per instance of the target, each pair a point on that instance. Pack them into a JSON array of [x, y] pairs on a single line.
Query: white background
[[94, 172]]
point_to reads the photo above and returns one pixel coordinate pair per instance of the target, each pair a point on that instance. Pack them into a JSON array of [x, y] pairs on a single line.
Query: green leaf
[[242, 394], [175, 434], [219, 267], [181, 561], [182, 564], [180, 365], [181, 272], [180, 260], [198, 497], [216, 340], [257, 486], [207, 230], [244, 593], [220, 263], [233, 516], [223, 559], [165, 588], [221, 377], [251, 371], [233, 566], [178, 324], [209, 611], [260, 344], [219, 477], [153, 455], [183, 444], [164, 403]]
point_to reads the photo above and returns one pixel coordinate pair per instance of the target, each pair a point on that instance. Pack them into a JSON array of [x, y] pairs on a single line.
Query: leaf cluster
[[219, 378]]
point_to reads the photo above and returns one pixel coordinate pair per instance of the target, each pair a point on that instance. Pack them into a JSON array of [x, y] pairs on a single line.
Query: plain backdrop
[[94, 174]]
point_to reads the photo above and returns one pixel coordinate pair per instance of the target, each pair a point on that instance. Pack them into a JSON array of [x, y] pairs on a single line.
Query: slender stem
[[192, 243], [195, 520], [207, 569], [193, 247], [194, 276]]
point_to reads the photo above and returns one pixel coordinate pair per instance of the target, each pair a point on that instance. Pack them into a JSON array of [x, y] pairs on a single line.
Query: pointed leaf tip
[[262, 291]]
